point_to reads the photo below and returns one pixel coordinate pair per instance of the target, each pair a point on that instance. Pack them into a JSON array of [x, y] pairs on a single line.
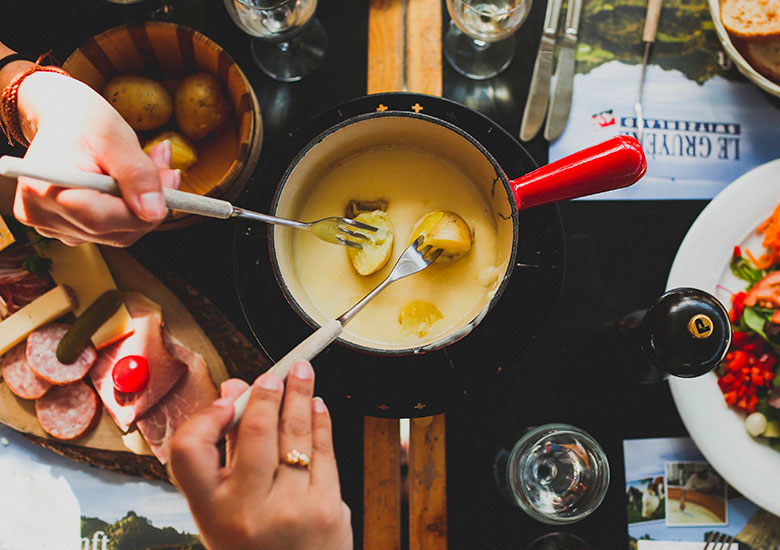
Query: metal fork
[[413, 260], [331, 229], [722, 542]]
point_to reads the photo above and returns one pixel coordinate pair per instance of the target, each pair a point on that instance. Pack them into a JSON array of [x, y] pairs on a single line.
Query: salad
[[748, 377]]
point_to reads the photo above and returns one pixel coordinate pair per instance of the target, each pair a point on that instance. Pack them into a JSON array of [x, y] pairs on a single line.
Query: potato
[[417, 317], [376, 250], [183, 154], [200, 106], [144, 103], [445, 230]]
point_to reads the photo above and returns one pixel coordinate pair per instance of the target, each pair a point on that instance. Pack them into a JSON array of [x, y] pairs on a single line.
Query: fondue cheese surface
[[413, 182]]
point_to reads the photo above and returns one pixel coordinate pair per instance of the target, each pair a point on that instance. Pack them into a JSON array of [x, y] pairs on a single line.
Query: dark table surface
[[618, 255]]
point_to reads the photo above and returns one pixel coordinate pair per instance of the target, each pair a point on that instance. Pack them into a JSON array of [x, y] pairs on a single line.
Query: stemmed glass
[[556, 473], [479, 43], [288, 42]]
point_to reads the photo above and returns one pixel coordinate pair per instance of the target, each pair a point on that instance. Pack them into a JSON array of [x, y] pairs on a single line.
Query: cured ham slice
[[147, 341], [68, 412], [19, 376], [42, 356], [194, 390]]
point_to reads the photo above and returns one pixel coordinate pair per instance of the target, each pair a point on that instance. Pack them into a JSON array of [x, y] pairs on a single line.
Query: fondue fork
[[330, 229], [412, 261]]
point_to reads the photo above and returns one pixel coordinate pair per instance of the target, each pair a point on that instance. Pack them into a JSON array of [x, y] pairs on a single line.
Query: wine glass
[[556, 473], [479, 43], [288, 42]]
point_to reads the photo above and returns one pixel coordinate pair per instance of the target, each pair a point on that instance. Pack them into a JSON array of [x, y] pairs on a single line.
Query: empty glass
[[289, 43], [556, 473], [479, 43]]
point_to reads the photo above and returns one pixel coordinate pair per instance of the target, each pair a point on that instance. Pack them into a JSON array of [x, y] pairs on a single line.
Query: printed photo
[[695, 495], [645, 499]]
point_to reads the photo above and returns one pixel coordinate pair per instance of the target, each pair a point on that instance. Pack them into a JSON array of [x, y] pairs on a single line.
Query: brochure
[[673, 494], [54, 503], [705, 124]]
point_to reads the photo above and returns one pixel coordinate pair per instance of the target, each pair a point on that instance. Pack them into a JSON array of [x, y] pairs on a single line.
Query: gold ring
[[297, 458]]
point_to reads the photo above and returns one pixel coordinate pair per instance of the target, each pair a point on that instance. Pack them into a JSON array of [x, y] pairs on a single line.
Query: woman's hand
[[256, 500], [71, 125]]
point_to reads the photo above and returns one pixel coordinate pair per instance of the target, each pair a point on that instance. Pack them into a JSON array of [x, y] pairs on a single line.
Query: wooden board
[[427, 484], [129, 274]]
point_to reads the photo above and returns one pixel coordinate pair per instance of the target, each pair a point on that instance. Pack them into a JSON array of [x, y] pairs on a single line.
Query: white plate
[[742, 65], [702, 261]]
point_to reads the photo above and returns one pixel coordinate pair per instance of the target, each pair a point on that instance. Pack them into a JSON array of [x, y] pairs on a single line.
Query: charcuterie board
[[129, 275]]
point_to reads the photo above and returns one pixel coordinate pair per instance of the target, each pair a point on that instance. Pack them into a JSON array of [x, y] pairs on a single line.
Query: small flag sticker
[[603, 119]]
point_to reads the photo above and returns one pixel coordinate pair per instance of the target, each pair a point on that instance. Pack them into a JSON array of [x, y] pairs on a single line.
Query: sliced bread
[[751, 18], [764, 56]]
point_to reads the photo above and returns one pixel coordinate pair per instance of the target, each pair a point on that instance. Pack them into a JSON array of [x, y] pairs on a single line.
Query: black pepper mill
[[685, 333]]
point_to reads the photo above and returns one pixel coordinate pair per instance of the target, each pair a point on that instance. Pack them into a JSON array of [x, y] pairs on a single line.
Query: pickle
[[80, 333]]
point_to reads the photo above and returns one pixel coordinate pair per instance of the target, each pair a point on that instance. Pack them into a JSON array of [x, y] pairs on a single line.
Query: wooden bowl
[[168, 53]]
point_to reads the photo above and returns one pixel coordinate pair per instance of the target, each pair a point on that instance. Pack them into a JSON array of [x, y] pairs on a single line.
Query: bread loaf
[[751, 18], [764, 56]]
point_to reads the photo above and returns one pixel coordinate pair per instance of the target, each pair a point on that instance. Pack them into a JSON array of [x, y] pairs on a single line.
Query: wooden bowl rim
[[246, 126]]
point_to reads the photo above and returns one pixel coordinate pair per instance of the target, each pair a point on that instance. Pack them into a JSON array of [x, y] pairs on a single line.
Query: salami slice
[[42, 356], [68, 412], [19, 376]]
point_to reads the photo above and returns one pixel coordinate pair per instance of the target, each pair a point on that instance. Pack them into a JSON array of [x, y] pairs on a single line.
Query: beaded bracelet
[[9, 106]]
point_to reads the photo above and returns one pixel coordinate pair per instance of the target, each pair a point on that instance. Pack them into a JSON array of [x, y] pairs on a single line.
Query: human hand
[[71, 125], [255, 501]]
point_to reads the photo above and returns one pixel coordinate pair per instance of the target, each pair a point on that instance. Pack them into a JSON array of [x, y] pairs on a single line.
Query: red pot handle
[[612, 164]]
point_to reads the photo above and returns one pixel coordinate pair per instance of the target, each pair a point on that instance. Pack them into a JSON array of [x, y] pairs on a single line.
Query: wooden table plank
[[404, 52], [423, 47], [381, 484], [427, 443], [427, 484], [385, 46], [381, 441]]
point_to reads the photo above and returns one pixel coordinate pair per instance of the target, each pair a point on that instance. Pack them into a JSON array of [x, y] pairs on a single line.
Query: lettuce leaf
[[743, 269]]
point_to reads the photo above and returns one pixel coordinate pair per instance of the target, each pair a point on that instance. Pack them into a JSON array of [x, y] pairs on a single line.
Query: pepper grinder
[[685, 333]]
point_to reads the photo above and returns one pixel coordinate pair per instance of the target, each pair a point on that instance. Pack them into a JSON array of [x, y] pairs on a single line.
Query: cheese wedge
[[83, 269], [6, 237], [44, 309]]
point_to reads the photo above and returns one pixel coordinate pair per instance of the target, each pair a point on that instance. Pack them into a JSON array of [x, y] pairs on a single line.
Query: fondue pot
[[384, 384], [618, 162]]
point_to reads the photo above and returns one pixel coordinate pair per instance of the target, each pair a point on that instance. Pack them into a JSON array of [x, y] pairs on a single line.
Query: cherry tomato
[[130, 374]]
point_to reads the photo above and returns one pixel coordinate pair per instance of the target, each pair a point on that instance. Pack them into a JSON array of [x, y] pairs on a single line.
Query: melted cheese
[[414, 183]]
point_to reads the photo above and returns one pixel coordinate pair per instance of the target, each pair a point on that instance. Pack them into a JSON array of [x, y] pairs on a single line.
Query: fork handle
[[67, 177], [305, 351]]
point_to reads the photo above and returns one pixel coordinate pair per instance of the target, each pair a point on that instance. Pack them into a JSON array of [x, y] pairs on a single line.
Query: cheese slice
[[83, 269], [6, 237], [44, 309]]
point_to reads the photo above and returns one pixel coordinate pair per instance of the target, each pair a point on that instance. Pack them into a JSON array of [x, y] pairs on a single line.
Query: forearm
[[12, 69]]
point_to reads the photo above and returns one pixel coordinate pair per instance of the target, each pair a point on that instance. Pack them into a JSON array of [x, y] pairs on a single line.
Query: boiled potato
[[376, 250], [183, 154], [144, 103], [200, 106], [417, 317], [445, 230]]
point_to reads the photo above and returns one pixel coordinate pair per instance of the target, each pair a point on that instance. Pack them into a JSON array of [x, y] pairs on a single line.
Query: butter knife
[[560, 103], [539, 93]]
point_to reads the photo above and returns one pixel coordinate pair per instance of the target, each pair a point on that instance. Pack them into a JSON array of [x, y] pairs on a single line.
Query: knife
[[648, 37], [538, 94], [560, 104]]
